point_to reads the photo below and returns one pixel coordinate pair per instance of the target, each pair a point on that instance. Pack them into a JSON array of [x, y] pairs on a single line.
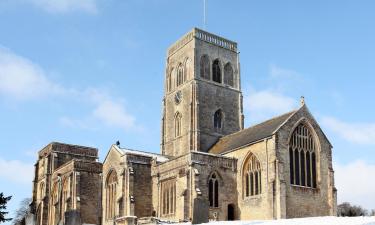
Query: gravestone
[[73, 218], [200, 211]]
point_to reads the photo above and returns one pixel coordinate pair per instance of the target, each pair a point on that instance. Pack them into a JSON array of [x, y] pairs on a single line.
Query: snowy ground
[[303, 221]]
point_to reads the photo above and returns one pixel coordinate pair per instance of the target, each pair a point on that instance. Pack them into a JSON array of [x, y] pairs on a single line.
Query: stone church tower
[[202, 95]]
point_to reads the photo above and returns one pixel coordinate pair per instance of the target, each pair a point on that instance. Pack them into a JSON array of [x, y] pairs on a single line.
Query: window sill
[[300, 186], [253, 197], [304, 188]]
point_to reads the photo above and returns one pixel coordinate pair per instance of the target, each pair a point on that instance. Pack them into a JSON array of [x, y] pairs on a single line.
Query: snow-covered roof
[[301, 221], [159, 158]]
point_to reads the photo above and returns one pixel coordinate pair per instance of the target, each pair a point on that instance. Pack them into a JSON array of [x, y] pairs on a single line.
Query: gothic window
[[55, 204], [187, 69], [205, 67], [177, 124], [213, 191], [41, 191], [111, 193], [228, 74], [218, 120], [252, 176], [169, 80], [216, 71], [180, 75], [64, 197], [168, 189], [302, 157]]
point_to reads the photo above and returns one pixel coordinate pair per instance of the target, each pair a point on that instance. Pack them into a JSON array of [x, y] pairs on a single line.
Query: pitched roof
[[159, 158], [249, 135]]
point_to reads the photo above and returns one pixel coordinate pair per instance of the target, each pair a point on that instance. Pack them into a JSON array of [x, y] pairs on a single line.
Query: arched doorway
[[231, 212]]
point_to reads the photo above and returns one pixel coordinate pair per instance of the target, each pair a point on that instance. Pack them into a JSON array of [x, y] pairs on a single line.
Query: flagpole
[[204, 14]]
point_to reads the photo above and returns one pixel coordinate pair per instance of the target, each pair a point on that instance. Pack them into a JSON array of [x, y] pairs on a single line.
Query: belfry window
[[218, 119], [252, 176], [302, 157], [213, 191], [177, 124], [205, 67], [111, 194], [169, 80], [216, 71], [228, 74], [168, 191], [180, 75]]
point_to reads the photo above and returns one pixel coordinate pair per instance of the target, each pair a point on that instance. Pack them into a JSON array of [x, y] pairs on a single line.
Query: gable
[[249, 135], [113, 152], [303, 114]]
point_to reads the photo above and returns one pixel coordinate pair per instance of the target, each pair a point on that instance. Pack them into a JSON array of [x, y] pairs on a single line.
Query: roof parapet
[[204, 36]]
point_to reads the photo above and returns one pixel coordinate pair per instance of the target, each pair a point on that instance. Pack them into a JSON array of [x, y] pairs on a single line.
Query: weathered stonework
[[67, 179], [210, 167]]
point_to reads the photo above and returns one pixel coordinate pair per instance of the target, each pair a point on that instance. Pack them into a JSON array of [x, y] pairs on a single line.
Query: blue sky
[[90, 72]]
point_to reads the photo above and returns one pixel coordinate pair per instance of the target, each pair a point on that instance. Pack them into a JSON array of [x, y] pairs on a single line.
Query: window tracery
[[253, 176], [302, 157], [213, 190]]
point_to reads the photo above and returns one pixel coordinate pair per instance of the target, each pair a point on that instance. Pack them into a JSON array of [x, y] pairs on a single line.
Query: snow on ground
[[303, 221]]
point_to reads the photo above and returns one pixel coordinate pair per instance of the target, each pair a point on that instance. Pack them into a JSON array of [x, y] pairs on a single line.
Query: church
[[210, 167]]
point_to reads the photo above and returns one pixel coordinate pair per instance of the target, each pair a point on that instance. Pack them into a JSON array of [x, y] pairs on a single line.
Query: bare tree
[[22, 211], [372, 212], [345, 209]]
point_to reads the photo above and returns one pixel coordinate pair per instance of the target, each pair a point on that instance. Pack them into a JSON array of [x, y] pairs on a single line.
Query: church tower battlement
[[202, 95]]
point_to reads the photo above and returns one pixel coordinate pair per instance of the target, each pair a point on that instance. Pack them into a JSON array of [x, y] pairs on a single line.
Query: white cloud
[[113, 114], [108, 110], [22, 79], [24, 171], [360, 133], [267, 103], [355, 183], [64, 6], [261, 104], [278, 72]]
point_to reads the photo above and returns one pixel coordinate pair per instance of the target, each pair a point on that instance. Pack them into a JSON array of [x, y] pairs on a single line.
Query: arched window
[[216, 71], [253, 176], [169, 80], [65, 194], [111, 193], [213, 190], [177, 124], [180, 75], [228, 74], [205, 67], [187, 69], [41, 191], [218, 120], [55, 204], [302, 157]]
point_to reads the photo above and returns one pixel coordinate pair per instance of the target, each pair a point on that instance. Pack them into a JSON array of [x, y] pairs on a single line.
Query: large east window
[[302, 157]]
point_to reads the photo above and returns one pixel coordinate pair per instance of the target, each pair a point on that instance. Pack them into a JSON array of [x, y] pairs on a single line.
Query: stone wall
[[302, 201], [191, 173], [261, 206], [114, 162]]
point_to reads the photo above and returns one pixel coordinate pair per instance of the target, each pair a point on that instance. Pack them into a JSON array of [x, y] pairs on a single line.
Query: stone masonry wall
[[302, 201], [260, 206]]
